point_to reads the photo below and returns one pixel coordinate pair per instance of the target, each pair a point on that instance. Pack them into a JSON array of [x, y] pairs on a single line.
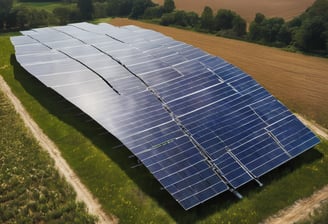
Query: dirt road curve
[[322, 132], [300, 210], [303, 207], [82, 192]]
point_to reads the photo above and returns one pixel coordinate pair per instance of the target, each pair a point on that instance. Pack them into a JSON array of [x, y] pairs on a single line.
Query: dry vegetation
[[287, 9], [300, 81]]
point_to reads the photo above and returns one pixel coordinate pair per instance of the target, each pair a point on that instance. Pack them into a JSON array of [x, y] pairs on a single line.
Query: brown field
[[247, 9], [299, 81]]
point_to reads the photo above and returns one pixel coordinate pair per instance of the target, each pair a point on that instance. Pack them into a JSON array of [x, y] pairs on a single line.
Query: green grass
[[31, 190], [101, 20], [133, 195]]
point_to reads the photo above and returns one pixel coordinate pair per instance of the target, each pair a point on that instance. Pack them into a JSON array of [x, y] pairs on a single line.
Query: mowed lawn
[[299, 81], [247, 9], [133, 195]]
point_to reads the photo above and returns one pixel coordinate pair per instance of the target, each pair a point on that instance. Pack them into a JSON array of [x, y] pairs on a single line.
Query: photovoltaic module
[[200, 125]]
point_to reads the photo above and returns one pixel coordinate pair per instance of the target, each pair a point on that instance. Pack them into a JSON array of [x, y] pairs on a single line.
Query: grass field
[[299, 81], [286, 9], [133, 195], [31, 190]]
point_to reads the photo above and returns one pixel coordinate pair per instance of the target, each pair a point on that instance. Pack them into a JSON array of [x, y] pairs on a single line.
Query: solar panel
[[200, 125]]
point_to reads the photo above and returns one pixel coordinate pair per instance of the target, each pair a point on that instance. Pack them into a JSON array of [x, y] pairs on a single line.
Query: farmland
[[286, 9]]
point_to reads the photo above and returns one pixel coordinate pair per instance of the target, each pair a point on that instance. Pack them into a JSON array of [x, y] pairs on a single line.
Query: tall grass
[[31, 191], [133, 195]]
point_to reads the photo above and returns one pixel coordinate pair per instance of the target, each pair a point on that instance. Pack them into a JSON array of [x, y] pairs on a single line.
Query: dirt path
[[319, 130], [300, 210], [303, 207], [82, 192]]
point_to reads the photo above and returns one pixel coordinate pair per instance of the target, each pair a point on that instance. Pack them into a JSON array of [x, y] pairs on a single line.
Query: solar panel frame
[[199, 124]]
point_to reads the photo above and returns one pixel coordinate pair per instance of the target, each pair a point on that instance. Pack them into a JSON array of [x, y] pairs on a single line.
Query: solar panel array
[[199, 124]]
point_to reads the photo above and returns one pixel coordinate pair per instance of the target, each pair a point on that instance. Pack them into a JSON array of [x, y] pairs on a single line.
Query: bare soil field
[[299, 81], [286, 9]]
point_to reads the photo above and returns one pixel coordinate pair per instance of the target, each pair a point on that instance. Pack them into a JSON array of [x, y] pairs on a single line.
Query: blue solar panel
[[199, 124]]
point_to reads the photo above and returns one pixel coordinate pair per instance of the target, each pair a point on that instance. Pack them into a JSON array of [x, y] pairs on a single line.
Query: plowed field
[[299, 81], [248, 8]]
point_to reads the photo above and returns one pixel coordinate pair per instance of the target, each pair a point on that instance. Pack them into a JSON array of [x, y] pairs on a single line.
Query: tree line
[[307, 32]]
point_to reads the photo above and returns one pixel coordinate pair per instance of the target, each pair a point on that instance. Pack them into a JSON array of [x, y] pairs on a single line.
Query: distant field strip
[[286, 9], [299, 81]]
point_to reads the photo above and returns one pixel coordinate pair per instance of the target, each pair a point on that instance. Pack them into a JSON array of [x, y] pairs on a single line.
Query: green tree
[[318, 9], [255, 31], [23, 17], [239, 26], [86, 9], [113, 7], [153, 12], [66, 14], [39, 17], [181, 18], [269, 31], [63, 14], [125, 7], [271, 28], [192, 19], [5, 7], [100, 9], [284, 35], [11, 19], [139, 7], [167, 19], [255, 28], [312, 35], [295, 22], [259, 18], [119, 7], [207, 19], [168, 6], [224, 19]]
